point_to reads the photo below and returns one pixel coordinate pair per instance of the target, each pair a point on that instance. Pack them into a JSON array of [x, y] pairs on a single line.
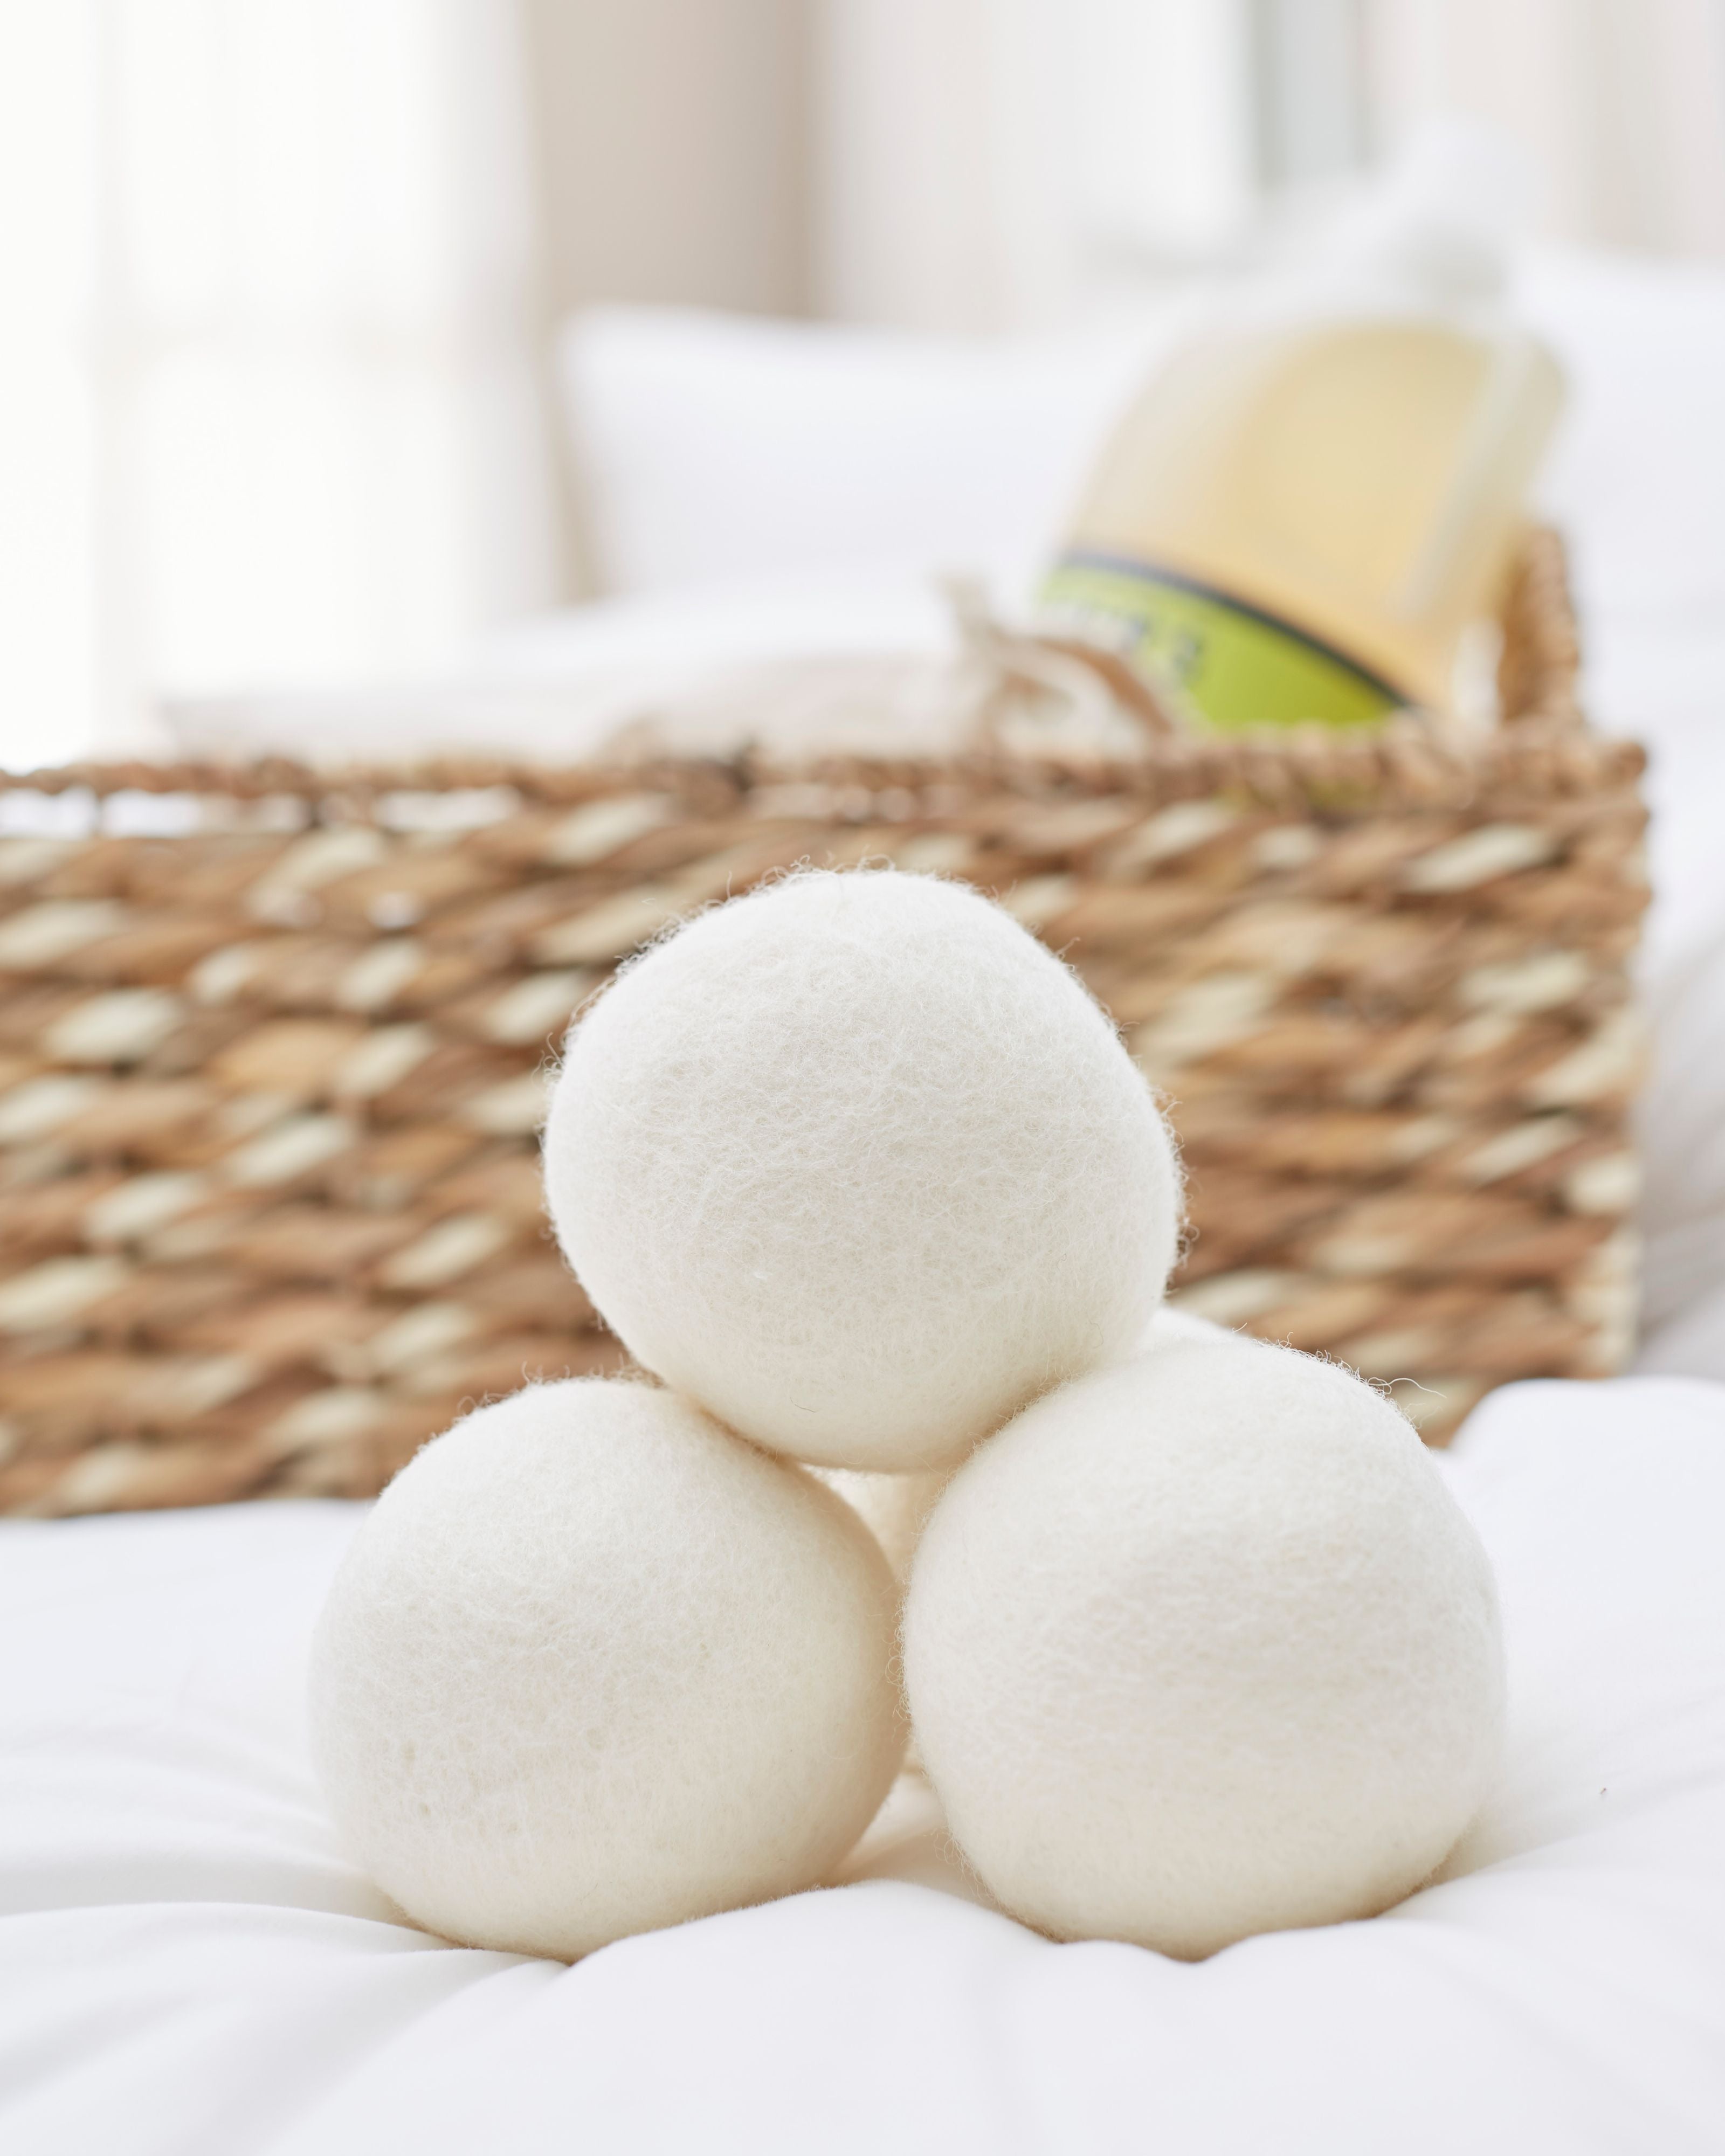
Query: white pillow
[[711, 446], [1637, 471]]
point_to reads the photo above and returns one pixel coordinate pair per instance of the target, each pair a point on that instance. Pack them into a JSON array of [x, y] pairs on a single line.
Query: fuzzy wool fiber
[[594, 1666], [860, 1165], [1200, 1646]]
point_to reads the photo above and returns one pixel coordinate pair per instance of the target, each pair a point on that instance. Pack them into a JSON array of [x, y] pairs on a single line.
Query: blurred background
[[282, 398]]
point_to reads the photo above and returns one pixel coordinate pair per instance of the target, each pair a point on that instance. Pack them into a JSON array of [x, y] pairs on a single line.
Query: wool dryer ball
[[893, 1508], [860, 1165], [594, 1666], [1200, 1646]]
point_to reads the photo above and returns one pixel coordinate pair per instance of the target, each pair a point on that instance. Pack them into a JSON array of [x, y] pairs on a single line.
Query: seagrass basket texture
[[273, 1049]]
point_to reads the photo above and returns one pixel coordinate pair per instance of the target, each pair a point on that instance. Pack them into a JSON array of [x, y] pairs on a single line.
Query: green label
[[1221, 664]]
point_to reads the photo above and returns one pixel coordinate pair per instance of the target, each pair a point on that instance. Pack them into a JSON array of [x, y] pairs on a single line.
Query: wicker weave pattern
[[269, 1096]]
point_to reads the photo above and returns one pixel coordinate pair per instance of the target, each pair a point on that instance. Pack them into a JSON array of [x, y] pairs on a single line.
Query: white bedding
[[188, 1967]]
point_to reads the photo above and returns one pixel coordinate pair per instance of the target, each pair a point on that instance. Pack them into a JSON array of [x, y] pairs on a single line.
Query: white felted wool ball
[[860, 1165], [1199, 1647], [594, 1665], [893, 1508]]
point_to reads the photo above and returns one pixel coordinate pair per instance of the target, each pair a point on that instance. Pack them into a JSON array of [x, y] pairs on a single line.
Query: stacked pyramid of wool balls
[[1196, 1644]]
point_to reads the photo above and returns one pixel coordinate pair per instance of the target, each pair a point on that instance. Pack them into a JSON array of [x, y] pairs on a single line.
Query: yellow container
[[1307, 510]]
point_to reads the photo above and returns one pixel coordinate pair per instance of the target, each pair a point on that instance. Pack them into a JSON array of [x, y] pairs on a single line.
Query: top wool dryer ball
[[858, 1164]]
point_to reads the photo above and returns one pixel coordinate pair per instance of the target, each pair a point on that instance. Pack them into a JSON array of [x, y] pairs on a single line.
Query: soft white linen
[[188, 1967], [803, 655]]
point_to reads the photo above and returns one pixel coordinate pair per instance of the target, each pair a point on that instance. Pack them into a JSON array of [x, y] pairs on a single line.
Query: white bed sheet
[[188, 1965]]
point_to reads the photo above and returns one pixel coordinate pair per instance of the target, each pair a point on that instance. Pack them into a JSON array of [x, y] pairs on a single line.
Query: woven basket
[[271, 1208]]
